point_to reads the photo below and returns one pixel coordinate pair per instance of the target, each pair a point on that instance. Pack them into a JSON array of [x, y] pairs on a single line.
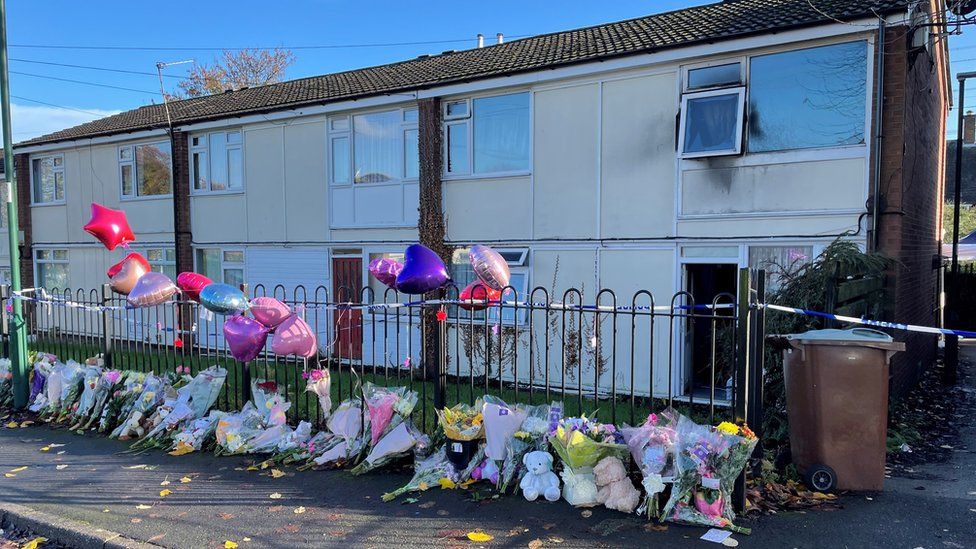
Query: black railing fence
[[619, 357]]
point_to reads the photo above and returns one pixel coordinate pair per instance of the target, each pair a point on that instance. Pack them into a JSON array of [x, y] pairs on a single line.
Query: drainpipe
[[878, 135]]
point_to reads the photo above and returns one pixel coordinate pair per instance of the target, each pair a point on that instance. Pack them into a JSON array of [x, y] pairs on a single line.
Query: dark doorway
[[347, 286], [705, 282]]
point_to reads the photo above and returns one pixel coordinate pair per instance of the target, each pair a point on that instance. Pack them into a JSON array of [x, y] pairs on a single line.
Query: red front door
[[347, 285]]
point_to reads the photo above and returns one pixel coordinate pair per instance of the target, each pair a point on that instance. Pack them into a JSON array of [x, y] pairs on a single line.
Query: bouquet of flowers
[[43, 364], [191, 401], [104, 388], [196, 435], [708, 461], [345, 435], [52, 390], [652, 446], [320, 383], [89, 388], [395, 444], [6, 384], [72, 377], [428, 471], [391, 435], [269, 401], [151, 396], [234, 431], [121, 401], [581, 443], [501, 422], [530, 436], [259, 426], [462, 422], [300, 447]]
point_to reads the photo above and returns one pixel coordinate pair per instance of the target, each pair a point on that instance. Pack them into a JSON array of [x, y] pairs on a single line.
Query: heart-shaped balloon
[[151, 289], [385, 270], [125, 279], [477, 291], [109, 226], [269, 311], [245, 337], [423, 271], [191, 284], [223, 298], [294, 337], [114, 269], [490, 266]]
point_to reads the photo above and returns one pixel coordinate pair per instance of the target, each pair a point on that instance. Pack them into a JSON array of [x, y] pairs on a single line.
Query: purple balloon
[[385, 270], [151, 289], [269, 311], [294, 337], [423, 271], [245, 337], [490, 266]]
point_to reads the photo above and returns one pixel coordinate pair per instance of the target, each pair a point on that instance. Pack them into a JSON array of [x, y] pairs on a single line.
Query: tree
[[237, 69]]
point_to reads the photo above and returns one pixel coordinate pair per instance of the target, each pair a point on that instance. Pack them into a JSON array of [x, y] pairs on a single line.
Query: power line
[[213, 48], [98, 84], [87, 67], [98, 114]]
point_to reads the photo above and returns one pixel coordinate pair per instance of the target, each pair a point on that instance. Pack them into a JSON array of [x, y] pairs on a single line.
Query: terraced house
[[660, 153]]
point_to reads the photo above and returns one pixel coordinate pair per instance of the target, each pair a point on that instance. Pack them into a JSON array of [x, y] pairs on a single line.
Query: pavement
[[90, 484]]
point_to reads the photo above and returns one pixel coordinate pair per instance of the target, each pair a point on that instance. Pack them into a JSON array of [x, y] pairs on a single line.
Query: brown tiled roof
[[709, 23]]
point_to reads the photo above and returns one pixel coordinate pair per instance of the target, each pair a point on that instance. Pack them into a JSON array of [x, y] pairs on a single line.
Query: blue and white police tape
[[869, 322]]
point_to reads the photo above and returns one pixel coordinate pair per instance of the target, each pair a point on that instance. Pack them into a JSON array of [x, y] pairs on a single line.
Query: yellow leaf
[[19, 469], [184, 480], [26, 423], [46, 449], [446, 483], [480, 536], [34, 543], [252, 468], [182, 448], [275, 495], [228, 544], [275, 473], [143, 506], [9, 475], [61, 467], [12, 425], [246, 539], [265, 464], [164, 493], [299, 510], [467, 483]]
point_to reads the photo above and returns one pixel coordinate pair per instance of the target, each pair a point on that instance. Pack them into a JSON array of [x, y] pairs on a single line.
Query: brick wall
[[912, 179], [182, 231], [22, 172]]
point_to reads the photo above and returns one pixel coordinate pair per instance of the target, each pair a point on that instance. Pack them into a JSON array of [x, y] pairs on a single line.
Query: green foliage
[[805, 286], [967, 220]]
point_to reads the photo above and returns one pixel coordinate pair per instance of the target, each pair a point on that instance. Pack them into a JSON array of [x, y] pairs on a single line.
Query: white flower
[[653, 484]]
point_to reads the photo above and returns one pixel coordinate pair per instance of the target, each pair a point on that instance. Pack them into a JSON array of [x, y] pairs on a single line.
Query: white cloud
[[30, 121]]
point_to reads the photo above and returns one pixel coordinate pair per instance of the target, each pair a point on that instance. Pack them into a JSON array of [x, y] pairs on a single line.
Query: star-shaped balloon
[[109, 226]]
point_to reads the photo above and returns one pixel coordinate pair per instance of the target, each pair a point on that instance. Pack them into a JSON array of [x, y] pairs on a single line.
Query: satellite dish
[[961, 7]]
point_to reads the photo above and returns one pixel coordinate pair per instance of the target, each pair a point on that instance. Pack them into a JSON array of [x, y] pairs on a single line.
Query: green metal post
[[18, 328]]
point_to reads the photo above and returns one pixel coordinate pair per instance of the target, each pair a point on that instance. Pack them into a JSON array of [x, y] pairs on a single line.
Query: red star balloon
[[109, 226]]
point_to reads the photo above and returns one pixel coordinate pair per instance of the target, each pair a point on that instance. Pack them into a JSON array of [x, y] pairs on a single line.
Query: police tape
[[869, 322]]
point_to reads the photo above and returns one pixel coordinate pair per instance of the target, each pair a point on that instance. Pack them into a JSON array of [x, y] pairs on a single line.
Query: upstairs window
[[217, 162], [711, 111], [146, 169], [487, 135], [376, 147], [47, 179]]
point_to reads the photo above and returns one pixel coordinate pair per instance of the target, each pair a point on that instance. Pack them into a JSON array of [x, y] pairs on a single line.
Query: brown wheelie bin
[[837, 401]]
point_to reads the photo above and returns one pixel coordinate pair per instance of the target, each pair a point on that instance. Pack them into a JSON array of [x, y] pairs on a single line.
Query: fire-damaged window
[[712, 107]]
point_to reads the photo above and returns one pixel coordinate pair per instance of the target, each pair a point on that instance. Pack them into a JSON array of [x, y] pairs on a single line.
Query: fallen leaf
[[136, 520], [156, 538], [535, 544], [26, 424], [265, 464], [228, 544], [586, 513], [655, 527], [55, 445], [182, 448], [140, 466], [164, 483], [34, 543], [291, 528], [275, 495], [480, 536], [298, 510], [46, 449], [730, 542], [61, 452], [19, 469], [427, 505], [556, 539], [276, 508], [164, 493], [185, 480], [12, 425], [61, 467], [225, 516], [246, 539], [250, 468], [275, 473], [143, 506], [105, 510], [9, 475]]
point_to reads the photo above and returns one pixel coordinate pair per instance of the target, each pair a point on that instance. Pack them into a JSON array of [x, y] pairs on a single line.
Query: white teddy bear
[[539, 479]]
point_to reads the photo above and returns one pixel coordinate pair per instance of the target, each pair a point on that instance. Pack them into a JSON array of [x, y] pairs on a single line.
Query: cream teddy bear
[[614, 489], [539, 480]]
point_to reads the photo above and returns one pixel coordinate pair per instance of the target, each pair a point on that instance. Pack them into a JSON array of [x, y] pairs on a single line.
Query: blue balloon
[[223, 298], [423, 271]]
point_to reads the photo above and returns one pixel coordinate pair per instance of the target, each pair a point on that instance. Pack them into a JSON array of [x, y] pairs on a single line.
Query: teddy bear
[[614, 488], [539, 478]]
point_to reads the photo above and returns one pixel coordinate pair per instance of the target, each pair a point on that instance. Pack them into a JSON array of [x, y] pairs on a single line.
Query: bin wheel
[[820, 477]]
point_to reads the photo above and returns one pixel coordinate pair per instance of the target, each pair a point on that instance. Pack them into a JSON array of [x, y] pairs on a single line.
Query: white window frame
[[56, 169], [740, 92], [349, 134], [224, 265], [38, 261], [135, 175], [204, 147], [468, 119], [519, 266], [743, 72], [154, 263]]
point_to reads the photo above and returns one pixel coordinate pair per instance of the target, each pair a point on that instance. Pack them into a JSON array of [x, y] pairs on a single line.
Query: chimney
[[969, 128], [481, 40], [501, 37]]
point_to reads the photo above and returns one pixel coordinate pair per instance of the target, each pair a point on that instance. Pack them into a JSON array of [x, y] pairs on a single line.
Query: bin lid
[[865, 337]]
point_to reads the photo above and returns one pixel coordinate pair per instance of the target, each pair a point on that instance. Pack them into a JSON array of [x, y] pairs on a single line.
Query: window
[[225, 266], [217, 162], [47, 179], [146, 169], [462, 274], [814, 97], [4, 275], [379, 289], [52, 269], [711, 122], [779, 262], [487, 135], [377, 147], [163, 260], [729, 74]]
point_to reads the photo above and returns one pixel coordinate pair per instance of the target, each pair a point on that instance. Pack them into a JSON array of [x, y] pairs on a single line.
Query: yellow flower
[[446, 483], [728, 428]]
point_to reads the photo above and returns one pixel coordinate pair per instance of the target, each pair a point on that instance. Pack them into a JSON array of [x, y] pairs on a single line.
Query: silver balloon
[[490, 266]]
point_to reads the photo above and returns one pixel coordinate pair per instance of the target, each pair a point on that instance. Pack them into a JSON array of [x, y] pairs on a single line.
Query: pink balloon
[[191, 283], [151, 289], [269, 311], [294, 337], [490, 267], [134, 256], [385, 270], [124, 280], [474, 292], [245, 337], [109, 226]]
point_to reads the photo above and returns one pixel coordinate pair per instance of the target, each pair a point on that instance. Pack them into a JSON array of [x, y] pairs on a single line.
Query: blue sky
[[248, 23]]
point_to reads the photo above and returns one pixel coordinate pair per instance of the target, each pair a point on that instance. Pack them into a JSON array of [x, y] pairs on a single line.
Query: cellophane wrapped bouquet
[[120, 403], [185, 404], [501, 420], [391, 433], [708, 461], [429, 471], [320, 384], [6, 384], [652, 446], [197, 435], [106, 384], [72, 376], [300, 446], [462, 422], [581, 443], [345, 441], [89, 389], [143, 405], [260, 424], [43, 364], [530, 436]]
